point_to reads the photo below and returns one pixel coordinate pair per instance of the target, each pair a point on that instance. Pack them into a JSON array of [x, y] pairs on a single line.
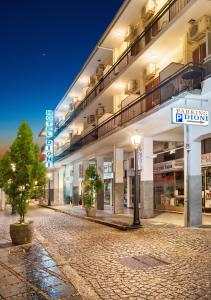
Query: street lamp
[[49, 182], [136, 141]]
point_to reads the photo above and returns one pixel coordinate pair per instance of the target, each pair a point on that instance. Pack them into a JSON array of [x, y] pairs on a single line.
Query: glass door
[[206, 190]]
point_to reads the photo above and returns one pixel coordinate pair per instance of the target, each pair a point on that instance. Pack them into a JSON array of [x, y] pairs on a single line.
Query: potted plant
[[92, 185], [21, 172]]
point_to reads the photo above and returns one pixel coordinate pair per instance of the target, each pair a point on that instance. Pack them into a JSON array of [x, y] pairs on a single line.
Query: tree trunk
[[13, 209]]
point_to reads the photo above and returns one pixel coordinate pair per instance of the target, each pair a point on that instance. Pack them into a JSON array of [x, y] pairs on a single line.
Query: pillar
[[129, 185], [146, 187], [61, 186], [100, 172], [85, 165], [67, 184], [76, 184], [118, 207], [55, 188], [192, 178]]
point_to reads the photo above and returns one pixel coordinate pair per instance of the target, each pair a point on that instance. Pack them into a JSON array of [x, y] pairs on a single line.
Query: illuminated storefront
[[169, 181]]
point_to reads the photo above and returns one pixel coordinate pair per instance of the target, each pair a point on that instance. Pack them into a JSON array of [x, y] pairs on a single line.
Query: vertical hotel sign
[[49, 116]]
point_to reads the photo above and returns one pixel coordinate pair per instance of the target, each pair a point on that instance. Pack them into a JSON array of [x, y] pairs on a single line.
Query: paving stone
[[93, 252]]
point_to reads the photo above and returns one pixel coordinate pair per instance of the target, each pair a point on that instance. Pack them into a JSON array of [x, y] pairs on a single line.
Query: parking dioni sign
[[190, 116]]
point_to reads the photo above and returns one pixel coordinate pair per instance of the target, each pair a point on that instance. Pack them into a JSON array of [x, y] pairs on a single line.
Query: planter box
[[91, 211], [21, 233]]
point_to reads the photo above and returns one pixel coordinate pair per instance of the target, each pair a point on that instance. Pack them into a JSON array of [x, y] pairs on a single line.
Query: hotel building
[[154, 57]]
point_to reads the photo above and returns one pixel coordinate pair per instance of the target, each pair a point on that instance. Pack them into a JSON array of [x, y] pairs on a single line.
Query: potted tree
[[92, 185], [22, 174]]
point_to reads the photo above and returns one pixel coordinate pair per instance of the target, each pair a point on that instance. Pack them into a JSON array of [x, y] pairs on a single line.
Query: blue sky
[[44, 43]]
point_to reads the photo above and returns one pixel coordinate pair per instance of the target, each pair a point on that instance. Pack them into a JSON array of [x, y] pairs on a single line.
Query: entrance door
[[206, 190]]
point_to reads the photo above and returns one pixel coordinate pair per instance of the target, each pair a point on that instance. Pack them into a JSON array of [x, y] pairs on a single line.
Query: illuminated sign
[[190, 116], [49, 138]]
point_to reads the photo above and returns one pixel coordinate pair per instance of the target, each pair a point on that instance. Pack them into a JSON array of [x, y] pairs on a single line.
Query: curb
[[106, 223]]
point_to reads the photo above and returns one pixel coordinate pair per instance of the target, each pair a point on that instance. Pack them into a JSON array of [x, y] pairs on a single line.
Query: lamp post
[[49, 197], [136, 141]]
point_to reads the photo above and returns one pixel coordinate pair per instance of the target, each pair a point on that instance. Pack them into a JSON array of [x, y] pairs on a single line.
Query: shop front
[[169, 185], [108, 183], [206, 182]]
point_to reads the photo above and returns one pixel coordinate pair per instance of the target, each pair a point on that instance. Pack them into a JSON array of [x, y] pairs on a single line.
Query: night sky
[[44, 44]]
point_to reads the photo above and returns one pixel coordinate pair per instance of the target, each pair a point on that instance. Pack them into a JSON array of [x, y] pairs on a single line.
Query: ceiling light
[[119, 85], [119, 33], [84, 80]]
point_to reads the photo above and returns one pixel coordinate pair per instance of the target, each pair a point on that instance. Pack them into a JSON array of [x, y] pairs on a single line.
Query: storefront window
[[169, 191], [206, 189]]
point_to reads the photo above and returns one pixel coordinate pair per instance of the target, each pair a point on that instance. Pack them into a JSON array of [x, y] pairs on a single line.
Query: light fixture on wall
[[173, 151]]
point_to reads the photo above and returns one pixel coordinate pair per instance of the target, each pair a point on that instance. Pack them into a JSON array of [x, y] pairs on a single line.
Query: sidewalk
[[124, 221], [29, 272]]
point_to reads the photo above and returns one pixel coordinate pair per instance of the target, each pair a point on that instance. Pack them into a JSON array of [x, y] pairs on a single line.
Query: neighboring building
[[155, 56]]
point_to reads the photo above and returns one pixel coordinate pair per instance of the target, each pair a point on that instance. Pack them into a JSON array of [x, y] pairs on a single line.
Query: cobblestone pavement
[[154, 262], [29, 272]]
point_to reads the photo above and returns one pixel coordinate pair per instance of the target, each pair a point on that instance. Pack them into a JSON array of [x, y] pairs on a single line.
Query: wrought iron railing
[[158, 23], [172, 86]]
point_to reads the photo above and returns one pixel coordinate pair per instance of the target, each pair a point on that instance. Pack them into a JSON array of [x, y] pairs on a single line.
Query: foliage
[[6, 182], [21, 171], [92, 185]]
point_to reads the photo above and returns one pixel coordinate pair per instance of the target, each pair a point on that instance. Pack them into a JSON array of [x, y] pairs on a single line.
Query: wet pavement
[[156, 262], [28, 272]]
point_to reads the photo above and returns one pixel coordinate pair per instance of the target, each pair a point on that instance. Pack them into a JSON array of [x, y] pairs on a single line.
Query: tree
[[92, 185], [7, 179], [24, 170]]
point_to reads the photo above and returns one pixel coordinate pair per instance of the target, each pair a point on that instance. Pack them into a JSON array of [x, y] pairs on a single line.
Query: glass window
[[207, 146]]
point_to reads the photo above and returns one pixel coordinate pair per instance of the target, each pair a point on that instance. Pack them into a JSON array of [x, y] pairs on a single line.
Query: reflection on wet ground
[[29, 273]]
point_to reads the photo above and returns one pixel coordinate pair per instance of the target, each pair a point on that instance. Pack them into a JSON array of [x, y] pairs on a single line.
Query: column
[[61, 185], [118, 207], [192, 178], [55, 188], [100, 172], [146, 187], [85, 165], [129, 185], [76, 184], [67, 184]]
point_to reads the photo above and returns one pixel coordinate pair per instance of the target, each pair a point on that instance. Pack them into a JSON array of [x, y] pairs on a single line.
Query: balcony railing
[[158, 23], [168, 88]]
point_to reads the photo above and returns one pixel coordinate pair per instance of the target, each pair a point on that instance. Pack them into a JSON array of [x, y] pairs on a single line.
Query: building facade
[[154, 57]]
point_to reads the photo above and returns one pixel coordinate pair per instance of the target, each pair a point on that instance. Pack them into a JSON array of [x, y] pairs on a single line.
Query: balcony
[[157, 25], [168, 88]]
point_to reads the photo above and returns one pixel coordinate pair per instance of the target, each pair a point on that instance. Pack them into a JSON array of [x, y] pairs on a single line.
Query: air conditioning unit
[[130, 34], [107, 68], [92, 80], [99, 71], [151, 71], [90, 119], [198, 28], [131, 87], [149, 10], [100, 111]]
